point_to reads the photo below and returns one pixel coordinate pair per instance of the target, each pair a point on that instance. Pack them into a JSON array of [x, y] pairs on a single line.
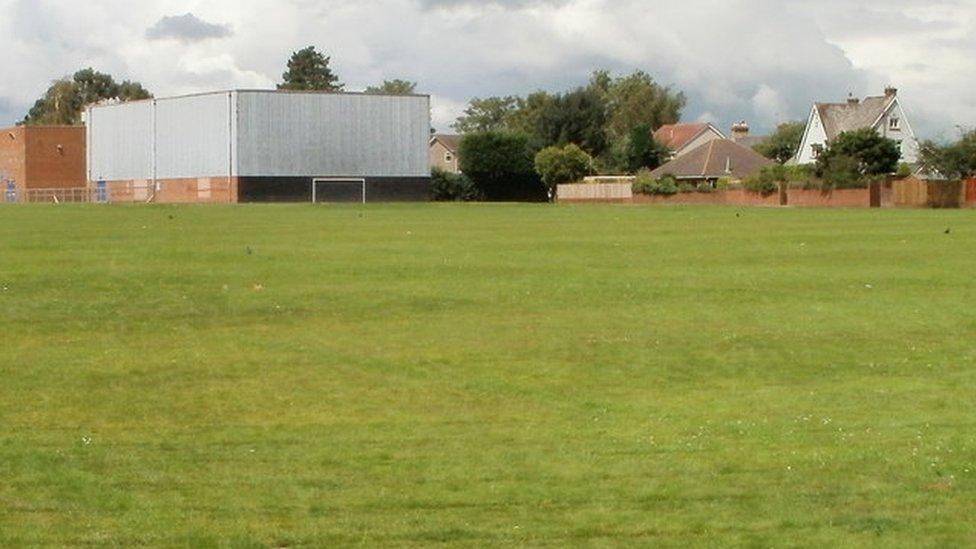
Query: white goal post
[[358, 182]]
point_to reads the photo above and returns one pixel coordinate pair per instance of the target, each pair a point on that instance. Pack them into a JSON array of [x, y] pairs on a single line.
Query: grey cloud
[[187, 28]]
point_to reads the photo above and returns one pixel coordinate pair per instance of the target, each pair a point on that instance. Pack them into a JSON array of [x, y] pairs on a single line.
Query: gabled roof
[[450, 141], [677, 136], [838, 118], [715, 159]]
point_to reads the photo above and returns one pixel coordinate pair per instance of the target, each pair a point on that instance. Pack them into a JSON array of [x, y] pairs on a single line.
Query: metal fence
[[56, 195]]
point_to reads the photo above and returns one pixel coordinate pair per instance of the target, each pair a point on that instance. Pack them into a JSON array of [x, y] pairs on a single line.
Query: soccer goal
[[338, 189]]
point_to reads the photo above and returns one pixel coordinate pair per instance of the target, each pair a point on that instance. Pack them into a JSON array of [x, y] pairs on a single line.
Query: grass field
[[291, 376]]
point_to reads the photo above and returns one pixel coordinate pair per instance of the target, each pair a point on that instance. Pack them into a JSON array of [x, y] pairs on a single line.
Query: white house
[[885, 114]]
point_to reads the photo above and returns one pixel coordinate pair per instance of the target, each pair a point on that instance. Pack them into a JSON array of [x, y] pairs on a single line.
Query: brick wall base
[[201, 190]]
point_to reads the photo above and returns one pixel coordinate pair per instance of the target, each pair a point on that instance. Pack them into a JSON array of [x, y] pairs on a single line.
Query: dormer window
[[815, 150], [894, 124]]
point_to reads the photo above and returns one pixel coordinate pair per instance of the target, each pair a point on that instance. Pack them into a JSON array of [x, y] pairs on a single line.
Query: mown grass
[[463, 375]]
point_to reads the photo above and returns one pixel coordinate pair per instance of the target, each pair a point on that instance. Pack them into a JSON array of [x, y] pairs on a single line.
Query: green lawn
[[290, 376]]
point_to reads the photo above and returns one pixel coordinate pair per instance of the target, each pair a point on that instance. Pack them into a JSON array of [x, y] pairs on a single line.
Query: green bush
[[705, 188], [723, 183], [904, 170], [645, 184], [450, 187], [768, 180], [686, 188], [843, 172], [760, 186], [872, 153]]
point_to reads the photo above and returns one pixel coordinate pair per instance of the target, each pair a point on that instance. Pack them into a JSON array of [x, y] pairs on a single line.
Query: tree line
[[63, 103], [517, 147]]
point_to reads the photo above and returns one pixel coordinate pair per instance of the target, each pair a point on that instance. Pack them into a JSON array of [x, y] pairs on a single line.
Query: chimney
[[891, 91], [740, 130], [851, 100]]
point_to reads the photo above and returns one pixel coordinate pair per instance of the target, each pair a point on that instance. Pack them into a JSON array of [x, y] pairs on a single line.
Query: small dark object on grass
[[249, 251], [171, 217], [947, 231]]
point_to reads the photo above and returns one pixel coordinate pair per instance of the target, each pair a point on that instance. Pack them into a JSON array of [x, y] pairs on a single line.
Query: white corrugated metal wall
[[261, 134], [194, 136], [302, 134], [120, 142]]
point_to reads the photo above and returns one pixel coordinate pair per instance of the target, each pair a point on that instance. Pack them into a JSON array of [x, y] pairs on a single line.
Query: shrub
[[723, 183], [760, 186], [557, 165], [843, 172], [667, 185], [705, 188], [450, 187], [874, 154], [904, 170], [643, 183], [686, 188], [768, 180]]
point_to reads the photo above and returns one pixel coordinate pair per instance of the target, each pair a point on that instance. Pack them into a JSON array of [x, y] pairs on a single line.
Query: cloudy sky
[[760, 60]]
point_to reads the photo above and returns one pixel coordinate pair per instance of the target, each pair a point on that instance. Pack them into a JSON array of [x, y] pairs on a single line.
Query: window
[[448, 157], [815, 150], [894, 124]]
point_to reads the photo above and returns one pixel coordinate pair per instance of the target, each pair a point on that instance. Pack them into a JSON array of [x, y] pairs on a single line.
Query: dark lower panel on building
[[299, 189]]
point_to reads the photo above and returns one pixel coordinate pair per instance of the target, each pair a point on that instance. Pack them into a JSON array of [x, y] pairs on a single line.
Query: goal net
[[334, 190]]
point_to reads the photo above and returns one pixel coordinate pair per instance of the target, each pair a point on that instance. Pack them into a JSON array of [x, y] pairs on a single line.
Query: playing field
[[286, 376]]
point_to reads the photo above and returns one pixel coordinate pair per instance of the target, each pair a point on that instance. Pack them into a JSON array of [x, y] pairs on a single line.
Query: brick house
[[444, 152]]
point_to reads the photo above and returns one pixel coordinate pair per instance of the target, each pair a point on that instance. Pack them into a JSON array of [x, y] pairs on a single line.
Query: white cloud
[[763, 61]]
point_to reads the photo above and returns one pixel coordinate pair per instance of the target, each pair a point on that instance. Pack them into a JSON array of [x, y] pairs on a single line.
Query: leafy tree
[[308, 69], [501, 165], [67, 98], [875, 155], [576, 117], [487, 115], [954, 160], [93, 86], [784, 143], [393, 87], [133, 91], [643, 151], [527, 117], [557, 165], [637, 100]]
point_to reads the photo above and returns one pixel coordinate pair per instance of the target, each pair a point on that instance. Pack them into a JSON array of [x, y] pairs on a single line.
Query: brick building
[[41, 157]]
